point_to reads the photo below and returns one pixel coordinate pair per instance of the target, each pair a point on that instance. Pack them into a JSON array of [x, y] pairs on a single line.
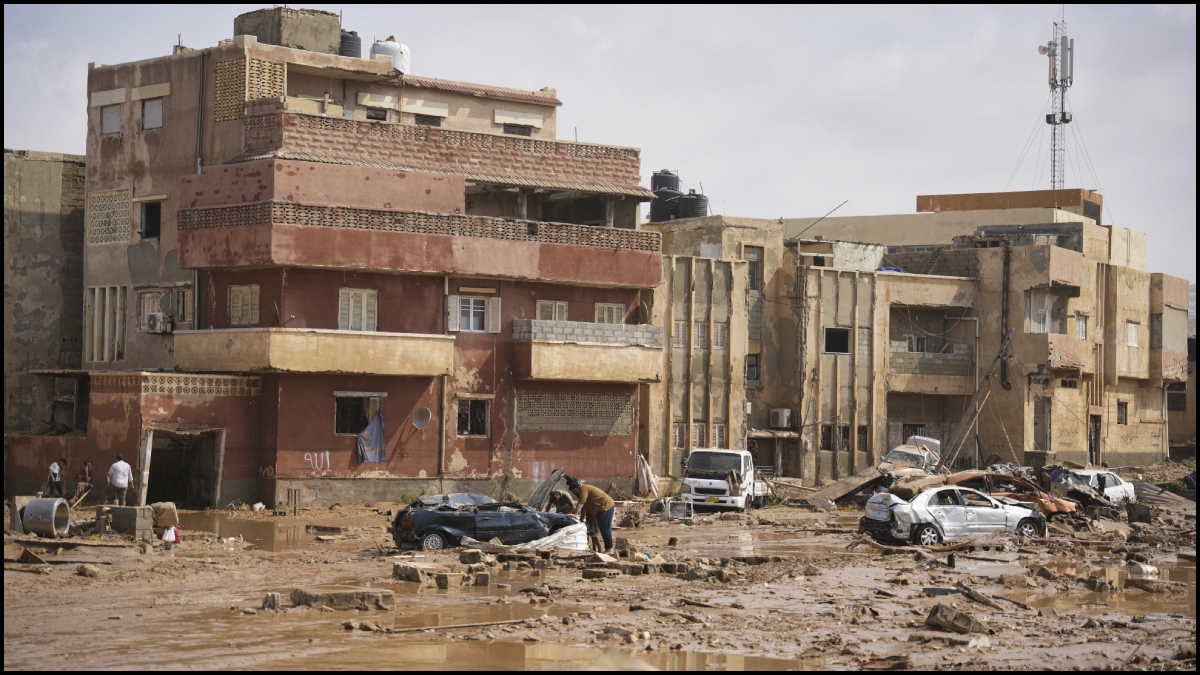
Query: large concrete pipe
[[47, 517]]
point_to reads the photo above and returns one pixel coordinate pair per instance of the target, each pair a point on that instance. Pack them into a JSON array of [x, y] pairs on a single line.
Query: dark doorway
[[183, 469], [1094, 439], [764, 454]]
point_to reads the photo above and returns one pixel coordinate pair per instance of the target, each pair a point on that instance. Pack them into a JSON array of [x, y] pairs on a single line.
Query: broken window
[[974, 500], [698, 435], [752, 368], [427, 120], [837, 340], [152, 114], [917, 343], [151, 220], [754, 272], [1131, 333], [551, 310], [472, 417], [844, 437], [377, 114], [106, 311], [679, 336], [720, 335], [351, 414], [864, 438], [974, 483], [1122, 413], [719, 436], [610, 313], [1081, 326], [110, 120], [1177, 396], [518, 129], [243, 305], [701, 334], [678, 435], [910, 430], [826, 437]]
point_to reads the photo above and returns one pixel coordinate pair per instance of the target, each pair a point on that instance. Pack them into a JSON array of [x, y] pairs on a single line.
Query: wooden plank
[[845, 486]]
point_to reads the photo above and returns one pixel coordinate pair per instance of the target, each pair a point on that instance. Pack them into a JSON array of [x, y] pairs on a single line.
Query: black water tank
[[692, 205], [664, 179], [351, 44], [666, 200]]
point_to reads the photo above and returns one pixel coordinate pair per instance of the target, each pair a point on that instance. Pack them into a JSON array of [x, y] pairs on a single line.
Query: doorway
[[183, 469], [1094, 440]]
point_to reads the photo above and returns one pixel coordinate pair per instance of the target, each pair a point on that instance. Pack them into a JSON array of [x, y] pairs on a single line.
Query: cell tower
[[1061, 52]]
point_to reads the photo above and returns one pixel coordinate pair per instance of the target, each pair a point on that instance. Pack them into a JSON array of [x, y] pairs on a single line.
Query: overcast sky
[[777, 111]]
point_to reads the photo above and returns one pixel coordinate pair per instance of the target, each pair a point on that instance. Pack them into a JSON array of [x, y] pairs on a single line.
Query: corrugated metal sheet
[[479, 90]]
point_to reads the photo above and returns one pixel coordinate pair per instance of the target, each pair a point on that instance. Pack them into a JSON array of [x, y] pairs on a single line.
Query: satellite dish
[[421, 417]]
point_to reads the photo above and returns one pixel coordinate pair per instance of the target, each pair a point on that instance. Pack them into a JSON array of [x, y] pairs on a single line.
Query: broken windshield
[[714, 462]]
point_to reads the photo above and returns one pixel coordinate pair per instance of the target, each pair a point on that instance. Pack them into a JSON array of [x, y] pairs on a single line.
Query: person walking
[[57, 469], [119, 476], [594, 503]]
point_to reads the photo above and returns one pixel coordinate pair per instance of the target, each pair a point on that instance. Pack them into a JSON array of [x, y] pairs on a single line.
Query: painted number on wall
[[317, 460]]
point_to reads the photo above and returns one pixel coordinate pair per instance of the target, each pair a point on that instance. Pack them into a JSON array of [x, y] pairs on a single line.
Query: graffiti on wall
[[319, 461]]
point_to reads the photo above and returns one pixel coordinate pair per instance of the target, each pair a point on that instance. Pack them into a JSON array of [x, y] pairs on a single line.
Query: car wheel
[[1027, 528], [927, 535], [434, 541]]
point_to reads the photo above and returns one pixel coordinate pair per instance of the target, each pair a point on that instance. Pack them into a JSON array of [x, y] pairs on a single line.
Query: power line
[[1028, 143]]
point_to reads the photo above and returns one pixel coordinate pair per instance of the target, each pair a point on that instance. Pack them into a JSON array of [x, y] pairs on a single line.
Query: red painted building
[[283, 243]]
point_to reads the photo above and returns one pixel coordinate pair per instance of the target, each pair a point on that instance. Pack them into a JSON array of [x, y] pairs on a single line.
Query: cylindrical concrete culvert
[[47, 517]]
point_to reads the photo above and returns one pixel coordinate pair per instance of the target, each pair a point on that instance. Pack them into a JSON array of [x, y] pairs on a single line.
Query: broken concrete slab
[[601, 573], [1157, 585], [165, 514], [951, 639], [945, 617], [344, 597], [418, 572], [471, 556], [447, 580]]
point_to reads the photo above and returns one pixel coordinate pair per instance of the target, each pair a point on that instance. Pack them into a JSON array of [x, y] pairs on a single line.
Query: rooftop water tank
[[692, 205], [666, 200], [664, 179], [401, 58], [351, 44]]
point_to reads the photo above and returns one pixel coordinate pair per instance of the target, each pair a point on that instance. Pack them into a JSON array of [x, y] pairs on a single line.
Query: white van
[[722, 479]]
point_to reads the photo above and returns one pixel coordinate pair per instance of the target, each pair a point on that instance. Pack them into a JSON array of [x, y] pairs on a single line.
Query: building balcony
[[577, 351], [1057, 351], [951, 372], [286, 234], [310, 350], [478, 157]]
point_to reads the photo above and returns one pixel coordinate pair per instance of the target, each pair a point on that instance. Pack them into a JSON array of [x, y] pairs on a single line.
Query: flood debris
[[344, 598], [945, 617]]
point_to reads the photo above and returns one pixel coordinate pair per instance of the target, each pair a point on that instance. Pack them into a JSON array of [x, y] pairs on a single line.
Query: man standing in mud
[[119, 476], [595, 504]]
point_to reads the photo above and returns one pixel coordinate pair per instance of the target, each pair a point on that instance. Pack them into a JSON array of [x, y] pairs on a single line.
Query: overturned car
[[948, 514]]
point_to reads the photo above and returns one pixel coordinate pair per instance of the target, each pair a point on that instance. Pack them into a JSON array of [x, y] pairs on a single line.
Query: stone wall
[[584, 332], [957, 362]]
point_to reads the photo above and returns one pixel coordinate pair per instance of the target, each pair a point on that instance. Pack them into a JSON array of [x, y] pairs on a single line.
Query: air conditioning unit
[[158, 322], [781, 418]]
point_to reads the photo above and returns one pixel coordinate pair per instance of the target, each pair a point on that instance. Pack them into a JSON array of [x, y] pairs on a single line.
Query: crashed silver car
[[950, 513]]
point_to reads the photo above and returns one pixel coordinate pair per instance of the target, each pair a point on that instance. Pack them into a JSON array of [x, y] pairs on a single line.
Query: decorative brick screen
[[110, 217], [229, 90], [164, 384], [289, 213], [589, 413], [265, 80]]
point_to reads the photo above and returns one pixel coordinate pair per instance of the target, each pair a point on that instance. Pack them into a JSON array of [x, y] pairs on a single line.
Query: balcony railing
[[957, 361], [576, 351], [582, 332]]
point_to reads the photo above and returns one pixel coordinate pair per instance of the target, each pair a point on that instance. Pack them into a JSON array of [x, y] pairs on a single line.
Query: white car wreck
[[950, 513]]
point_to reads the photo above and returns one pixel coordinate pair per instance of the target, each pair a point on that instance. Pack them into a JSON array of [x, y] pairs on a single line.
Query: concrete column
[[144, 465], [609, 211]]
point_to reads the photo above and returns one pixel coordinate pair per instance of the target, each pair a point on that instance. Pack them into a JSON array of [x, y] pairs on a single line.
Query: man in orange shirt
[[594, 504]]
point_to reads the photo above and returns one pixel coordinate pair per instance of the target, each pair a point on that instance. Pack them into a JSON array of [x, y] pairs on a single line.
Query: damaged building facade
[[283, 244], [863, 331]]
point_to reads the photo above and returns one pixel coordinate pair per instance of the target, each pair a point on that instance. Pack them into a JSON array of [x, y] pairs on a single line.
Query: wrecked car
[[1064, 481], [918, 454], [950, 513], [441, 521], [1108, 484], [1015, 488]]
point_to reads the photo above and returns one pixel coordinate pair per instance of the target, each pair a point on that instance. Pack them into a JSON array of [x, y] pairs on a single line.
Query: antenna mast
[[1060, 50]]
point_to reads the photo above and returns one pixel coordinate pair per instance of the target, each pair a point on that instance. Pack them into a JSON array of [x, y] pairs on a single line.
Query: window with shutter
[[719, 435], [243, 305], [357, 309], [1132, 334], [701, 331], [452, 313], [698, 435], [720, 336], [679, 336], [551, 310], [493, 315], [678, 435], [610, 313], [472, 314]]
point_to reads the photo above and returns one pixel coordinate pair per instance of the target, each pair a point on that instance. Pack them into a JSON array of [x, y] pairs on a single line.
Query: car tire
[[927, 535], [1027, 528], [435, 541]]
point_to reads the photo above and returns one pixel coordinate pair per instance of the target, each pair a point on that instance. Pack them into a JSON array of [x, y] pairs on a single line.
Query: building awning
[[772, 433]]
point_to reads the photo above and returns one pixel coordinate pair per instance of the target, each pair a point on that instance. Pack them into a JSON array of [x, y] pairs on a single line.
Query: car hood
[[541, 494]]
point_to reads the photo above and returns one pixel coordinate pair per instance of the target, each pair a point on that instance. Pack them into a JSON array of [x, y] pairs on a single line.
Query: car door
[[1116, 489], [984, 515], [946, 509]]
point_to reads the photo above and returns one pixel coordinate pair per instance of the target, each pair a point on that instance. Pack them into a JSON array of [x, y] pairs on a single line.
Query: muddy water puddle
[[1132, 602], [729, 542], [266, 535]]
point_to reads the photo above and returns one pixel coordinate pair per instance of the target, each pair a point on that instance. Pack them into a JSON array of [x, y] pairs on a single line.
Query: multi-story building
[[283, 243]]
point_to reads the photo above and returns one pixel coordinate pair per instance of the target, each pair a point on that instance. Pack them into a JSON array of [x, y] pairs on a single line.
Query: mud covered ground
[[825, 599]]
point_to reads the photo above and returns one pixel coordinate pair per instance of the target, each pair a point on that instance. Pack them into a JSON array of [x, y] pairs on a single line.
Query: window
[[152, 114], [357, 309], [473, 314], [1037, 315], [752, 368], [679, 336], [377, 114], [1068, 384], [678, 435], [350, 416], [975, 500], [183, 305], [1131, 334], [243, 305], [719, 436], [518, 129], [1177, 396], [110, 120], [698, 435], [837, 340], [720, 336], [472, 417], [826, 437], [701, 335], [864, 438], [610, 313], [106, 307], [151, 220], [428, 120], [907, 431], [754, 272], [551, 310], [1081, 326], [1122, 413], [917, 343], [148, 303]]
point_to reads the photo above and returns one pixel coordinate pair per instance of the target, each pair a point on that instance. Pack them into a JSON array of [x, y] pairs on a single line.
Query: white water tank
[[401, 57]]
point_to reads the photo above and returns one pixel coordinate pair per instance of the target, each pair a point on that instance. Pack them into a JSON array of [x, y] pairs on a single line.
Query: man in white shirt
[[55, 480], [119, 477]]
